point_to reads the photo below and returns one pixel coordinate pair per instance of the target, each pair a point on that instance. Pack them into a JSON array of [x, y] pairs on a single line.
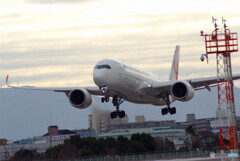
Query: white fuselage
[[126, 81]]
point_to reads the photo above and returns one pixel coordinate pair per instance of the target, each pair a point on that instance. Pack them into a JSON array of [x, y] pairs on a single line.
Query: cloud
[[37, 39], [57, 1]]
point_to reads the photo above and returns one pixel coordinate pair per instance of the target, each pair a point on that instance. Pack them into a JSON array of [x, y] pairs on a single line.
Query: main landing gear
[[116, 102], [168, 108]]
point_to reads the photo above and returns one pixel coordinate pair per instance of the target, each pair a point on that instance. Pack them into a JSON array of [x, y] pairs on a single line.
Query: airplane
[[122, 82]]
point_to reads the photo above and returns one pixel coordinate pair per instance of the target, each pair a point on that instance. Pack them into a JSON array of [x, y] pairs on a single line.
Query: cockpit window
[[102, 66]]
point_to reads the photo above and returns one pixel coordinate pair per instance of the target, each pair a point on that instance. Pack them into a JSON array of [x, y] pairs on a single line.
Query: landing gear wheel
[[172, 110], [113, 114], [102, 99], [106, 99], [164, 111], [121, 114]]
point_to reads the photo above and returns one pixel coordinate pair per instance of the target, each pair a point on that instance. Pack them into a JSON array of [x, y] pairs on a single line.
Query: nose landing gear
[[104, 91], [104, 99]]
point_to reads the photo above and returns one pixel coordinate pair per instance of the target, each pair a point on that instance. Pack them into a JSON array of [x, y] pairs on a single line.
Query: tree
[[68, 151], [101, 147], [164, 145], [190, 130], [24, 154], [160, 144], [52, 153], [87, 146], [186, 146], [124, 144], [195, 141], [137, 147], [147, 140], [91, 146], [112, 146], [209, 139], [74, 140], [169, 145]]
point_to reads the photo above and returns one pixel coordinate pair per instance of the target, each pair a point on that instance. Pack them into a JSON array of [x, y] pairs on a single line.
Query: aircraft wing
[[158, 89], [201, 83], [91, 90]]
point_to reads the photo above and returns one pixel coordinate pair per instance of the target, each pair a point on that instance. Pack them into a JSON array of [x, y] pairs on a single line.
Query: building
[[7, 151], [99, 120], [135, 125], [3, 142], [90, 121], [57, 135], [40, 143], [53, 130], [108, 127], [224, 124], [83, 133], [190, 118], [176, 135], [199, 125], [140, 118]]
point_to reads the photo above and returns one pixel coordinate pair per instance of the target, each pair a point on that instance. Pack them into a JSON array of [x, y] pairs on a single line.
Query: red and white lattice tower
[[223, 43]]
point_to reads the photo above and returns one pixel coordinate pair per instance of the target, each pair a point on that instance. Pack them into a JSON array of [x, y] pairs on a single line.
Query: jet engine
[[182, 91], [80, 98]]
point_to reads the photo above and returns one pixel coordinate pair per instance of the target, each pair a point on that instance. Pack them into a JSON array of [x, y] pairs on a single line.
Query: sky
[[58, 42], [26, 114]]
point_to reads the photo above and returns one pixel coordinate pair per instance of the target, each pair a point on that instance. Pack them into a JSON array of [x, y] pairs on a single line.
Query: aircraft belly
[[152, 101]]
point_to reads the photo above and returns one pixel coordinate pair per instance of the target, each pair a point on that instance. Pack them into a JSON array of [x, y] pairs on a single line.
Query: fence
[[143, 157]]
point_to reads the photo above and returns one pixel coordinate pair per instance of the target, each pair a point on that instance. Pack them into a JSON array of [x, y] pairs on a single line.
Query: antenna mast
[[223, 44]]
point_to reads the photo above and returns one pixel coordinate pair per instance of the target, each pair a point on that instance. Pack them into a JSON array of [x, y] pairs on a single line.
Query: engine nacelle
[[182, 91], [80, 98]]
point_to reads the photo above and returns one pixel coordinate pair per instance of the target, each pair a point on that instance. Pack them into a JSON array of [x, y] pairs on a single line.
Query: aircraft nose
[[100, 77]]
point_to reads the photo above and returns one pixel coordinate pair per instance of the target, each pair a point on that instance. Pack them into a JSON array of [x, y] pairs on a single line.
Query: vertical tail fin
[[175, 63]]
